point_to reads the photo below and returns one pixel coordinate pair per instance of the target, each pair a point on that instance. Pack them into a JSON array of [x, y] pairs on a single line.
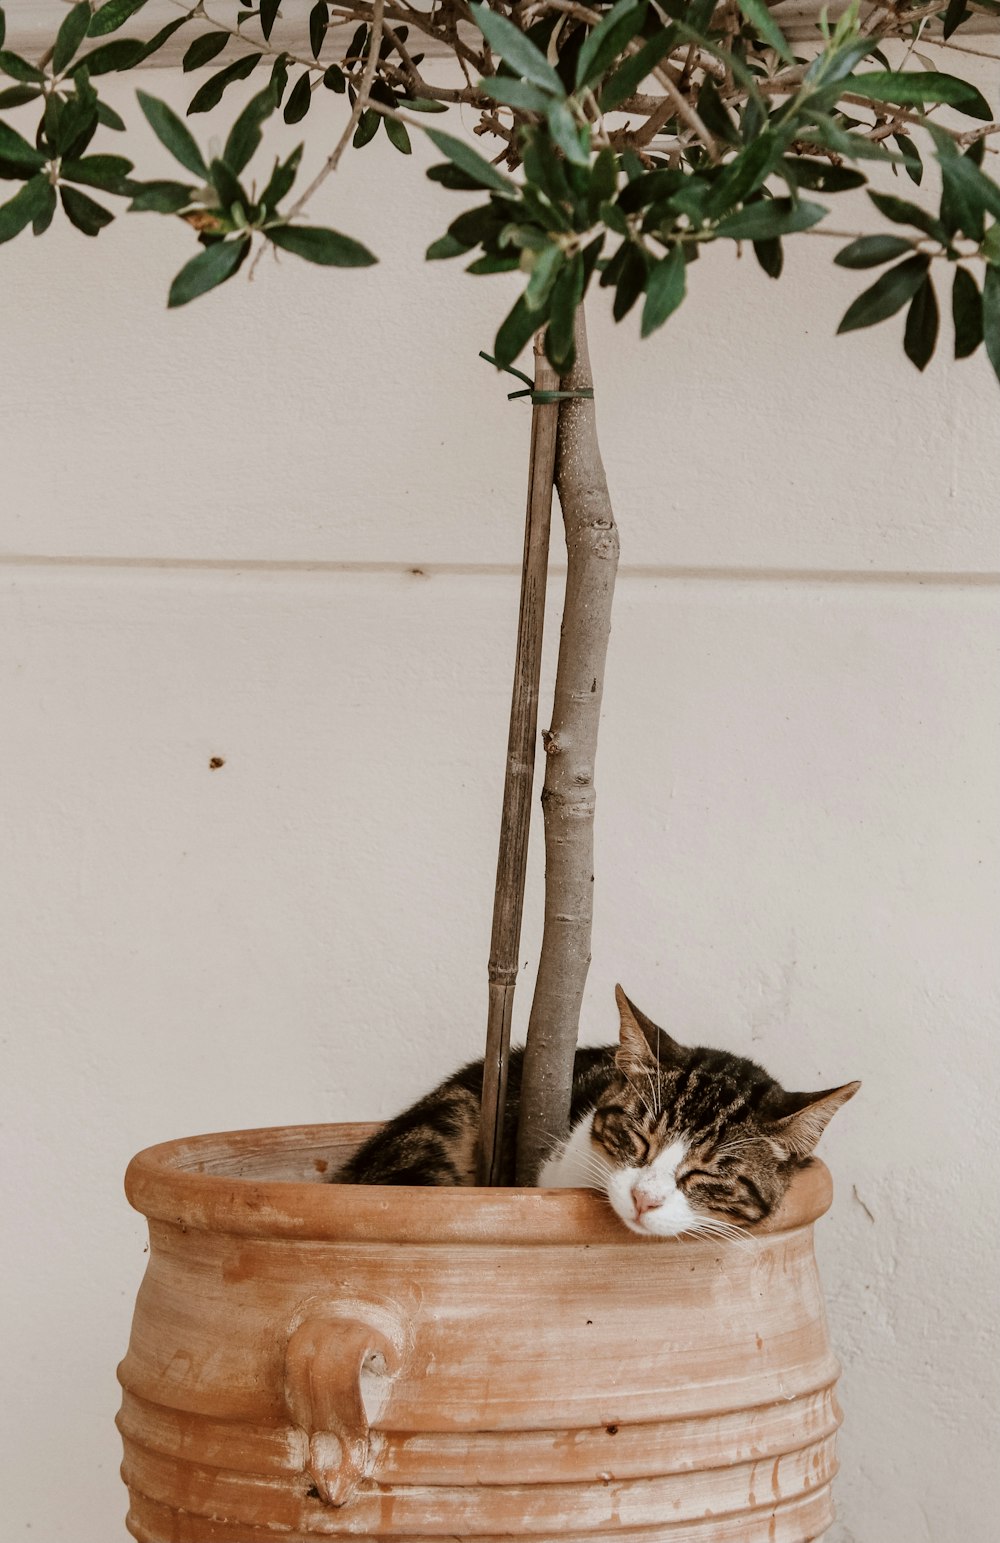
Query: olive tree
[[614, 142]]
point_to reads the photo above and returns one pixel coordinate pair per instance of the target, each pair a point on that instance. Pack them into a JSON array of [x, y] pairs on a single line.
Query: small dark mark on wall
[[862, 1204], [312, 1492], [612, 1430], [418, 573], [216, 762]]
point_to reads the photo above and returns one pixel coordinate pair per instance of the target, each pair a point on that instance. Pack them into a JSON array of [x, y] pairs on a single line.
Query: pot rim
[[173, 1182]]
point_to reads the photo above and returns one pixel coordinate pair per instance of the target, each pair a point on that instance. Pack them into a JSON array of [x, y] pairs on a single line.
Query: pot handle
[[329, 1356]]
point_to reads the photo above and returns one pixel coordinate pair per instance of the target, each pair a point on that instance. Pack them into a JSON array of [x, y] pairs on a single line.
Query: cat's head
[[694, 1140]]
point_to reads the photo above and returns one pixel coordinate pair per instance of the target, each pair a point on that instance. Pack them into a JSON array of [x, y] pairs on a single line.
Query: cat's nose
[[644, 1201]]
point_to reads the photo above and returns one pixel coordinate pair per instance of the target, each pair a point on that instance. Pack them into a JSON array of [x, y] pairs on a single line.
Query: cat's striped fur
[[678, 1139]]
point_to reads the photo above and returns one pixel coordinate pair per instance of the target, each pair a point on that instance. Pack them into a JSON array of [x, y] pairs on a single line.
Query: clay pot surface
[[314, 1361]]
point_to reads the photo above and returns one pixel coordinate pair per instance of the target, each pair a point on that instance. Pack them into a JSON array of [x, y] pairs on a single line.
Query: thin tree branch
[[360, 103], [568, 796]]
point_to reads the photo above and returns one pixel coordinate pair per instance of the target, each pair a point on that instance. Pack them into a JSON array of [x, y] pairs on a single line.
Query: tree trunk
[[568, 796], [516, 814]]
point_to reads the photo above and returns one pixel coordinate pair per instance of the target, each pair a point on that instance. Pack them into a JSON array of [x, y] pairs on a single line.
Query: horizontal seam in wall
[[417, 569]]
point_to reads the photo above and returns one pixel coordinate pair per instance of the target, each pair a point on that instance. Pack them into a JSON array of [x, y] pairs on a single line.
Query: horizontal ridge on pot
[[312, 1361], [476, 1508], [798, 1521], [528, 1457]]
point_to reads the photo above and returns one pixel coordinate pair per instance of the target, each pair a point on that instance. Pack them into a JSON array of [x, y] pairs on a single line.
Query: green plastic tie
[[538, 398]]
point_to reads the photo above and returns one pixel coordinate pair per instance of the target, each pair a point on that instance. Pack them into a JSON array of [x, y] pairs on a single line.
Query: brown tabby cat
[[679, 1140]]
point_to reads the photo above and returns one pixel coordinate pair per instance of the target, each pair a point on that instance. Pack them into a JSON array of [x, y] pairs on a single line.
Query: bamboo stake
[[516, 813]]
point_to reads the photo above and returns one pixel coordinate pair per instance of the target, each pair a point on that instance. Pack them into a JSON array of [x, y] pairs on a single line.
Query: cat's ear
[[642, 1044], [796, 1132]]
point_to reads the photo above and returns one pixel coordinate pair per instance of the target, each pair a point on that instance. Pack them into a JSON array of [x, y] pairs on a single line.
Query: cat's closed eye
[[619, 1133], [733, 1195]]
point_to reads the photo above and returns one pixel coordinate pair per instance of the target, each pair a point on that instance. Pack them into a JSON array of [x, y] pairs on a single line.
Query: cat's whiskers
[[597, 1168], [597, 1171], [723, 1231], [736, 1147], [556, 1144], [736, 1144], [553, 1144], [640, 1095], [724, 1222]]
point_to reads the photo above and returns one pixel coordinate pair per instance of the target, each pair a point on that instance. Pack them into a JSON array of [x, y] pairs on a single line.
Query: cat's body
[[434, 1141], [679, 1140]]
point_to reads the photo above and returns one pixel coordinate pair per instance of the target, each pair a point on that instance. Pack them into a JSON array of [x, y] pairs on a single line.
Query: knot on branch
[[573, 804], [595, 537]]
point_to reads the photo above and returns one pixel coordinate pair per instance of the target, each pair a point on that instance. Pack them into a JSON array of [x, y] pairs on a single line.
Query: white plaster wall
[[282, 528]]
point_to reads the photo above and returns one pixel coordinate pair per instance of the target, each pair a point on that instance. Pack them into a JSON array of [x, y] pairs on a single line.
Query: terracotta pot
[[309, 1361]]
